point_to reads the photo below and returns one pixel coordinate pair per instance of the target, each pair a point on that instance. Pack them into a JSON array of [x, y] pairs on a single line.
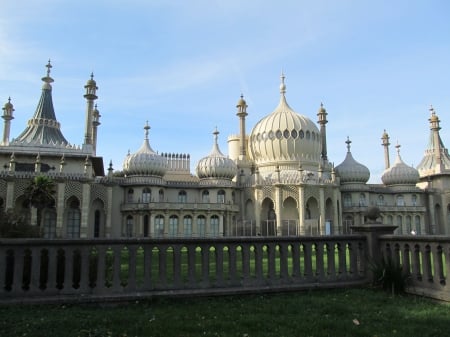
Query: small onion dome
[[286, 137], [91, 82], [145, 161], [400, 173], [350, 171], [216, 165]]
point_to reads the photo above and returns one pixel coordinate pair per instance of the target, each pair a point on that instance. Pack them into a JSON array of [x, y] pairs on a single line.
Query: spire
[[282, 85], [348, 142], [43, 128], [242, 113], [91, 96], [8, 110], [385, 143], [322, 115]]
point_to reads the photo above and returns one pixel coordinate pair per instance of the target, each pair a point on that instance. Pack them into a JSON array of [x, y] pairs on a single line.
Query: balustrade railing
[[127, 268], [426, 259]]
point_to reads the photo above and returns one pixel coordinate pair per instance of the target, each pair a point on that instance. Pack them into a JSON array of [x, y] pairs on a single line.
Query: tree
[[40, 194]]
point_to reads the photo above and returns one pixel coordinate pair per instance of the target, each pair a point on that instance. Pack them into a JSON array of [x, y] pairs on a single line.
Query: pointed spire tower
[[43, 129], [8, 110], [436, 159]]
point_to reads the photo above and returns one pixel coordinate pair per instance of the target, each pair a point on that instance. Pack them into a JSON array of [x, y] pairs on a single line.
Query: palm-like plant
[[40, 194]]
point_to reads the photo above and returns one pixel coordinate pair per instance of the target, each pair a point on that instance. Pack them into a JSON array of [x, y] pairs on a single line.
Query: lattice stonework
[[267, 192], [3, 189], [99, 192], [311, 192], [73, 188], [290, 191], [20, 187]]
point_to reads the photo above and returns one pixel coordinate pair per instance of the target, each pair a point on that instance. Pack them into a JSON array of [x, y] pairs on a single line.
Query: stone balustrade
[[108, 269]]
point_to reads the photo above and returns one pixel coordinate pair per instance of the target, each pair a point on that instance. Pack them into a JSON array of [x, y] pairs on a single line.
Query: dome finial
[[348, 142], [47, 79], [146, 128], [282, 85], [216, 135], [49, 67], [398, 148]]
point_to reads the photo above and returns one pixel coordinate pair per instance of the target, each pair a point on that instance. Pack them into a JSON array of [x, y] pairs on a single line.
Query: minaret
[[434, 127], [385, 143], [90, 95], [322, 114], [242, 113], [95, 123], [8, 110]]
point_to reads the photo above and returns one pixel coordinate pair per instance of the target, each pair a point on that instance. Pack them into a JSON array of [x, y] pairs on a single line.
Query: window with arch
[[347, 200], [187, 225], [380, 200], [50, 224], [408, 224], [97, 216], [221, 197], [205, 196], [214, 225], [417, 224], [399, 223], [159, 226], [233, 197], [362, 199], [73, 219], [414, 200], [182, 196], [201, 225], [161, 195], [390, 220], [129, 227], [130, 195], [400, 200], [146, 195], [173, 225]]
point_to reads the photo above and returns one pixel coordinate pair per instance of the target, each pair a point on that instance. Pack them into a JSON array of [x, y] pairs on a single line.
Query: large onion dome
[[400, 173], [285, 137], [145, 161], [350, 171], [216, 165]]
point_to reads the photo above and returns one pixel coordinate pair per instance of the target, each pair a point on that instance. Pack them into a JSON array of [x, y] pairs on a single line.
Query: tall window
[[130, 195], [96, 223], [182, 196], [400, 200], [159, 226], [187, 225], [205, 196], [173, 225], [146, 195], [161, 195], [49, 225], [215, 225], [380, 201], [221, 197], [408, 224], [201, 225], [347, 200], [414, 200], [73, 219], [400, 223], [362, 199], [129, 227], [417, 224]]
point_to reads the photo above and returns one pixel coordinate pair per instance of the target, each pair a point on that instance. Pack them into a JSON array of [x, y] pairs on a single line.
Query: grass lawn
[[355, 312]]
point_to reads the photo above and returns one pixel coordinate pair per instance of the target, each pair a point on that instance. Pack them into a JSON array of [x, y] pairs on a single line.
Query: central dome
[[285, 138]]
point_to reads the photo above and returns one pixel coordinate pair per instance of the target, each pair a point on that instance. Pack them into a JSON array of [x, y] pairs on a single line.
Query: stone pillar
[[60, 232], [278, 208], [336, 223], [109, 210], [257, 213], [301, 210], [373, 230], [432, 215], [221, 225], [85, 211], [9, 195], [322, 211]]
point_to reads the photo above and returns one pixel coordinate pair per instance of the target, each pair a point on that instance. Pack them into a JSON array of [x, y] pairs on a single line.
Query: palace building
[[277, 179]]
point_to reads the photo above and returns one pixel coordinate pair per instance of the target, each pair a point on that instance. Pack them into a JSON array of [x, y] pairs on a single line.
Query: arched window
[[380, 201], [347, 200], [400, 200], [362, 199], [182, 196], [214, 225], [233, 197], [146, 195], [159, 226], [221, 197], [205, 196], [173, 225], [187, 225], [414, 200], [399, 224], [408, 224], [201, 225], [73, 219], [129, 227], [417, 224], [49, 224], [161, 195], [130, 195]]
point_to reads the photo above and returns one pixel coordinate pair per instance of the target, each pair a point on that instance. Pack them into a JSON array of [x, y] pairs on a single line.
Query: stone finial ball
[[373, 213]]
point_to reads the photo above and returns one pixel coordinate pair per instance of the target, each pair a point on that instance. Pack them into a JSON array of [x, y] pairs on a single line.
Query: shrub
[[390, 275]]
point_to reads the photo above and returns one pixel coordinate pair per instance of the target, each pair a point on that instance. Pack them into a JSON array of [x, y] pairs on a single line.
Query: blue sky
[[182, 65]]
